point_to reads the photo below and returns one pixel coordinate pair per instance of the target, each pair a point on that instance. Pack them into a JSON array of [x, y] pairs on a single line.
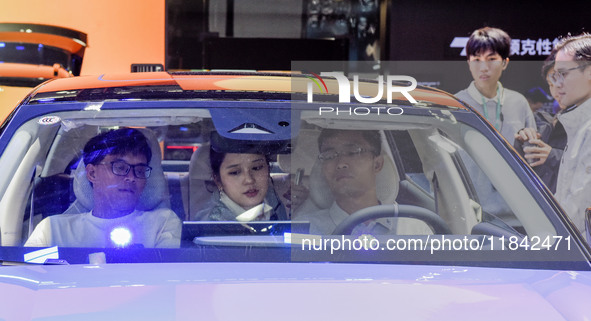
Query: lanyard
[[484, 107]]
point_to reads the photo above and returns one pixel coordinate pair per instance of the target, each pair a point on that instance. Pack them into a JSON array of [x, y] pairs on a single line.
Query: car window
[[438, 171], [437, 179]]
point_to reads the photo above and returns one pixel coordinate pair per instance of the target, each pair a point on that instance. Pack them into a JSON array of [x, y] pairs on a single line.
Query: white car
[[494, 244]]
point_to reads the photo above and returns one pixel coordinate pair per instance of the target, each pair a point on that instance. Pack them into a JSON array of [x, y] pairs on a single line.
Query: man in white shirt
[[117, 169], [351, 160], [508, 111], [572, 79], [488, 56]]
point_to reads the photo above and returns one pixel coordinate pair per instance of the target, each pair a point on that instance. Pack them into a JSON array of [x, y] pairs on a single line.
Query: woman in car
[[243, 182]]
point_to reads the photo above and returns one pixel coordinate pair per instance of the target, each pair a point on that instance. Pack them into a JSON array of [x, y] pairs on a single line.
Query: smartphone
[[527, 144], [298, 176]]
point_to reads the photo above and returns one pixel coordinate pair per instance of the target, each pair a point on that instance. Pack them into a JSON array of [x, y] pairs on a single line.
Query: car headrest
[[304, 153], [199, 166], [387, 184], [155, 193]]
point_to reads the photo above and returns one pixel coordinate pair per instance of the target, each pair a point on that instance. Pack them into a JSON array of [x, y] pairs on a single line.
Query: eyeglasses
[[559, 75], [121, 168], [350, 151]]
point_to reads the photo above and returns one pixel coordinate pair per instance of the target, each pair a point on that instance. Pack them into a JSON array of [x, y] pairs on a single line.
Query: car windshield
[[429, 184]]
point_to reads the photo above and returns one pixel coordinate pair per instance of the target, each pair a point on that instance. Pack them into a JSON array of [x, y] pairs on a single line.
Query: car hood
[[290, 291]]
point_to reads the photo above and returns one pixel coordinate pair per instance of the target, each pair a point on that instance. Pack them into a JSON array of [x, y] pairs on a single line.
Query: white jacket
[[573, 187]]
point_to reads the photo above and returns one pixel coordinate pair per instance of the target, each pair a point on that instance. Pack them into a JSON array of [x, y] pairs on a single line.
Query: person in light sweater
[[116, 165]]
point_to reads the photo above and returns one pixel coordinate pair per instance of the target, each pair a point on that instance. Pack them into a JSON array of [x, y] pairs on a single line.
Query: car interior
[[437, 170]]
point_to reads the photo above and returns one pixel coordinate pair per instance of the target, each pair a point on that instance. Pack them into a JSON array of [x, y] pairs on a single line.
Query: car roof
[[270, 84]]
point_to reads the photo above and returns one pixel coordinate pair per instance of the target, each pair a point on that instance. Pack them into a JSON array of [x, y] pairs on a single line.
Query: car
[[33, 53], [498, 246]]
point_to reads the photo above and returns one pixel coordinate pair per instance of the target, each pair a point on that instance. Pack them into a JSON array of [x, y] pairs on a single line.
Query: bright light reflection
[[18, 278], [93, 106], [121, 236]]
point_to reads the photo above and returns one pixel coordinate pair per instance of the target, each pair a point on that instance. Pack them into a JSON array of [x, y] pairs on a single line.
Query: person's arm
[[530, 120], [554, 158], [522, 136], [169, 236], [527, 134], [41, 236], [577, 194], [537, 153], [296, 196]]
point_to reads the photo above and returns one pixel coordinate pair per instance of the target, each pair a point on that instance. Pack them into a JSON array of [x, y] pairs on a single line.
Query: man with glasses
[[117, 169], [572, 79], [351, 161], [543, 147], [488, 56]]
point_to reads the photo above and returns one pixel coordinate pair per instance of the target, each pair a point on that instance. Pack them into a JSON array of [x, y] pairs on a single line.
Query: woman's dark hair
[[487, 38], [116, 142], [215, 161]]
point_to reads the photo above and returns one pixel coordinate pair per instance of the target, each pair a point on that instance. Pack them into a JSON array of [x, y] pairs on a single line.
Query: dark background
[[423, 30], [200, 35], [407, 29]]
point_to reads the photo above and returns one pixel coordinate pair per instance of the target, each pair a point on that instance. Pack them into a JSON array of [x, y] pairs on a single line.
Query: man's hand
[[296, 196], [527, 134], [536, 153]]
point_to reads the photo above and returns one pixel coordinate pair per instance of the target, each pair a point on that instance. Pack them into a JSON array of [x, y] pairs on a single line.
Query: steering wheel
[[434, 221]]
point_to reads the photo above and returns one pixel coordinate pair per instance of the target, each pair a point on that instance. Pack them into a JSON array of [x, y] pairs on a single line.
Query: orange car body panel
[[266, 82]]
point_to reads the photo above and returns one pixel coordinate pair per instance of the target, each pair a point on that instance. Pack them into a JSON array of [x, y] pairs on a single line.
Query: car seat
[[302, 158], [201, 186]]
